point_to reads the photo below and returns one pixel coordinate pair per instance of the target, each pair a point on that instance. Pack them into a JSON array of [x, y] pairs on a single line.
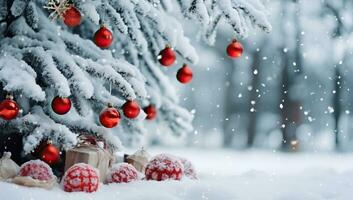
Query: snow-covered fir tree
[[41, 58]]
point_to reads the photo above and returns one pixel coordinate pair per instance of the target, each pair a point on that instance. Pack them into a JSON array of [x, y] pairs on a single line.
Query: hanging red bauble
[[61, 105], [109, 117], [48, 152], [184, 74], [131, 109], [103, 37], [9, 108], [167, 56], [72, 17], [151, 112], [235, 49]]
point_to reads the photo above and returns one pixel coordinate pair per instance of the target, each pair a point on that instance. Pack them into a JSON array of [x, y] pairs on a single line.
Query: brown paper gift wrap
[[92, 155]]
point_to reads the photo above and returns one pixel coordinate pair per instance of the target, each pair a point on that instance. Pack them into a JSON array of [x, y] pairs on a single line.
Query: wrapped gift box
[[90, 154]]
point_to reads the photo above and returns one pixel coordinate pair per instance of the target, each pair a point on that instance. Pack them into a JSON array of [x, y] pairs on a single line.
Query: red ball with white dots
[[122, 173], [189, 169], [81, 177], [37, 169], [164, 167]]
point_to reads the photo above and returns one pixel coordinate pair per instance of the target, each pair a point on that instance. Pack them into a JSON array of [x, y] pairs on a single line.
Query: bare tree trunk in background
[[337, 106], [290, 112], [253, 113], [290, 107], [228, 135], [338, 32]]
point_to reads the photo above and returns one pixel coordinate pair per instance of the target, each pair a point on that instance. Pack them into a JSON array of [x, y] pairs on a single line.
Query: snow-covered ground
[[227, 175]]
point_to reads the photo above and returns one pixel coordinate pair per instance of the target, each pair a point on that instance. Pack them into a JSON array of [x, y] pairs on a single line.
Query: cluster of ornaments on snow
[[82, 177]]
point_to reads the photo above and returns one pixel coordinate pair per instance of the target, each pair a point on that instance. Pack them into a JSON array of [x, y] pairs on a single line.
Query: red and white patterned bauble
[[164, 167], [167, 56], [81, 177], [36, 169], [189, 169], [122, 173]]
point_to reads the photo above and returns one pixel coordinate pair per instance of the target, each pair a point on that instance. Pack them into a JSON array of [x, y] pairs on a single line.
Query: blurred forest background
[[290, 91]]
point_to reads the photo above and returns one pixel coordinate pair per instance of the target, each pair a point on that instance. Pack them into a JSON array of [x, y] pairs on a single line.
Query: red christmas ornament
[[189, 169], [48, 152], [72, 17], [131, 109], [81, 177], [103, 37], [9, 108], [109, 117], [184, 74], [167, 56], [61, 105], [122, 173], [36, 169], [235, 49], [163, 167], [151, 112]]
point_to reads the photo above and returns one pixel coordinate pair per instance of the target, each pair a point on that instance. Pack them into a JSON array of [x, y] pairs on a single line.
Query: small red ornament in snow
[[9, 108], [36, 169], [109, 117], [131, 109], [151, 112], [103, 37], [81, 177], [164, 167], [167, 56], [235, 49], [48, 152], [122, 173], [184, 74], [189, 169], [71, 16], [61, 105]]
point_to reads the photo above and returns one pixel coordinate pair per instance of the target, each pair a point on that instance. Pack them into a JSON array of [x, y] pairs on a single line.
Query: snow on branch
[[24, 80], [44, 128], [240, 14]]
